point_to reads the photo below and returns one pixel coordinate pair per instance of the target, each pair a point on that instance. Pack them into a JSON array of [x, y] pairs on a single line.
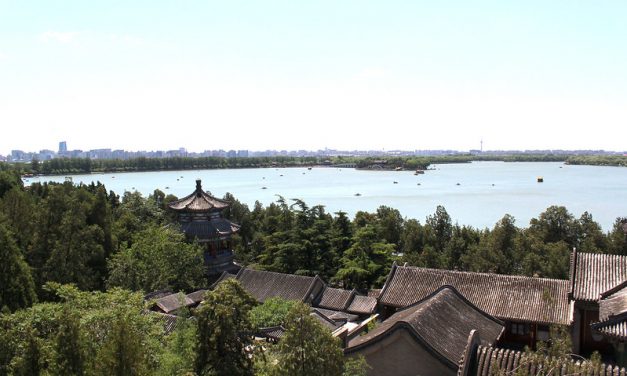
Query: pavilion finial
[[198, 187]]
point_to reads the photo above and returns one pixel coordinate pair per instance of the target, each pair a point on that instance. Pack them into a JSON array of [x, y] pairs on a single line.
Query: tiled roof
[[198, 201], [173, 302], [273, 332], [615, 328], [324, 320], [337, 316], [441, 321], [613, 305], [363, 305], [592, 274], [263, 285], [197, 296], [374, 293], [488, 361], [613, 313], [517, 298], [168, 321], [204, 230], [222, 277], [336, 299]]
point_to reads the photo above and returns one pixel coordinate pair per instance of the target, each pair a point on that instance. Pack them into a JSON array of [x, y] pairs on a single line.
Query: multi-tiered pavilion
[[200, 217]]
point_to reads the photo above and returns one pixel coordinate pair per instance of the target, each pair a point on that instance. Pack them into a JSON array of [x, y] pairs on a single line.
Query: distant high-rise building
[[62, 147]]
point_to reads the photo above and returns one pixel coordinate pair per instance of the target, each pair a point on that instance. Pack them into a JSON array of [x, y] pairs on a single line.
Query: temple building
[[200, 217]]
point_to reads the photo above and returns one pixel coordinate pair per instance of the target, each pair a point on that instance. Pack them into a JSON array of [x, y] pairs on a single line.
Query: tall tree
[[438, 229], [223, 335], [70, 357], [367, 262], [17, 289], [306, 348], [158, 258]]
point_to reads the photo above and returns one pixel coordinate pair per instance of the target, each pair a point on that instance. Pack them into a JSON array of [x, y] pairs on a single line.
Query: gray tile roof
[[222, 277], [197, 296], [614, 328], [198, 201], [516, 298], [613, 313], [274, 332], [204, 230], [337, 316], [441, 321], [324, 320], [172, 302], [263, 285], [488, 361], [592, 274], [363, 305], [336, 299]]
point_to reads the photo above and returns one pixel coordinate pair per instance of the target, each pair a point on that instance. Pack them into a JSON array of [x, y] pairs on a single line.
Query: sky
[[340, 74]]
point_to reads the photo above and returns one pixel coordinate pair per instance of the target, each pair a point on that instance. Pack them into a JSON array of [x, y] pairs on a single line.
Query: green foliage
[[178, 357], [159, 258], [70, 357], [9, 179], [223, 342], [17, 289], [355, 366], [366, 263], [307, 348], [271, 313], [83, 333]]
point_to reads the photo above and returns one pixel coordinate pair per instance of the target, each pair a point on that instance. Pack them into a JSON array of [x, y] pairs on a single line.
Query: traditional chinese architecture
[[482, 360], [594, 278], [427, 338], [200, 217], [612, 323], [527, 305]]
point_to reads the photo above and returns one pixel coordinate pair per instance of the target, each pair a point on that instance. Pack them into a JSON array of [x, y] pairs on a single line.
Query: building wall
[[589, 341], [399, 354]]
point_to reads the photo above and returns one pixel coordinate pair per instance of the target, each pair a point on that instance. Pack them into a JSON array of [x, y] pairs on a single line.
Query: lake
[[476, 194]]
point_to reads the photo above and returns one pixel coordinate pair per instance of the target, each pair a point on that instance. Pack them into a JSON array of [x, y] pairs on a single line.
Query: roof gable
[[336, 299], [593, 274], [364, 305], [518, 298], [441, 321]]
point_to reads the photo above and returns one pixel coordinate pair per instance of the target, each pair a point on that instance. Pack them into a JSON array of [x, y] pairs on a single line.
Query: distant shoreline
[[59, 167]]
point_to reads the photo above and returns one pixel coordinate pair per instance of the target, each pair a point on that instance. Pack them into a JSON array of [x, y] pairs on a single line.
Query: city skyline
[[355, 75]]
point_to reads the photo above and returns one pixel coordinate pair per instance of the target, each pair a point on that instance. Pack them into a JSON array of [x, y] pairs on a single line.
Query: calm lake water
[[476, 194]]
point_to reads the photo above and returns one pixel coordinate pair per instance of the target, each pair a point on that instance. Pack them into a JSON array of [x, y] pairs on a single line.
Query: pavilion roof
[[198, 201]]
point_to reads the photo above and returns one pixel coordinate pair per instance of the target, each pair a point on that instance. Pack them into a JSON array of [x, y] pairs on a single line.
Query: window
[[519, 329]]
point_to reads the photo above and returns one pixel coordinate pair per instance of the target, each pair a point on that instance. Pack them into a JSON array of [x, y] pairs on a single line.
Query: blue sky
[[145, 75]]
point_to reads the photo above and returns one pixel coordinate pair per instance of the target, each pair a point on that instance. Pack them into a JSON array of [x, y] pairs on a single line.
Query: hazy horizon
[[349, 75]]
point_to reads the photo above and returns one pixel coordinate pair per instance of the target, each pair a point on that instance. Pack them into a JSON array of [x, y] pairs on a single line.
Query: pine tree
[[307, 348], [69, 350], [223, 337], [17, 289]]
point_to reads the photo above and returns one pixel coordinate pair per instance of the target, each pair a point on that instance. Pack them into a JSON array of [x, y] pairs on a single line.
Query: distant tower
[[200, 216], [62, 147], [481, 148]]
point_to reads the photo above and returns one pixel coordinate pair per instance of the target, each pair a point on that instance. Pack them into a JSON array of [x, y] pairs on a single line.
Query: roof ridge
[[522, 277]]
